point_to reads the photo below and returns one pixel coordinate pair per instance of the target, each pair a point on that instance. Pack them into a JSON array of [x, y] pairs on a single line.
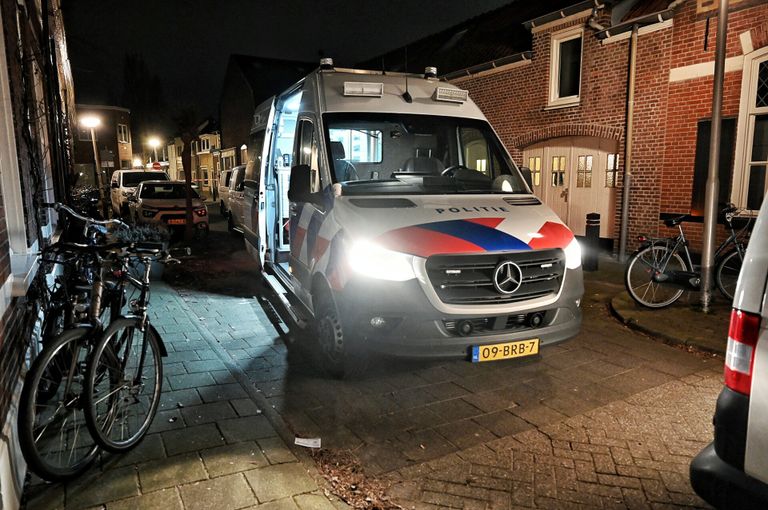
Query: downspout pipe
[[713, 182], [627, 185]]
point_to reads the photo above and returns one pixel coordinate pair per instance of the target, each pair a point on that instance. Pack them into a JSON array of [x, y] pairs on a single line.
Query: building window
[[204, 171], [750, 182], [612, 171], [84, 134], [701, 163], [123, 135], [534, 165], [558, 171], [360, 145], [584, 172], [205, 144], [565, 68]]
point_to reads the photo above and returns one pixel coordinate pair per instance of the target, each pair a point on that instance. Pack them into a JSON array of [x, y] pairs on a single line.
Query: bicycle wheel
[[727, 273], [123, 385], [643, 266], [52, 430]]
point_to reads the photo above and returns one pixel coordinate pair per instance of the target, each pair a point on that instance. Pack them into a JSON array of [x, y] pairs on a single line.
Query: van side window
[[306, 152]]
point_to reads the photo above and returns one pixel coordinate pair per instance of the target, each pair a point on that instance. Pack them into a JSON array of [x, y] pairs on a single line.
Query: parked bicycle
[[661, 269], [57, 435]]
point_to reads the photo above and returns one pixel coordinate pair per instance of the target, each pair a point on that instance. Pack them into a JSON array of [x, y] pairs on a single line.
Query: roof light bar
[[451, 95], [363, 89]]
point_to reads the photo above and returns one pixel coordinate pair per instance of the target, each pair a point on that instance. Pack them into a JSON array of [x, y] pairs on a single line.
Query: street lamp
[[92, 122], [154, 142]]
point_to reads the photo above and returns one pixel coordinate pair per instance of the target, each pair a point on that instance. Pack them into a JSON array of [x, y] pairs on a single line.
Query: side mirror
[[300, 188], [527, 176], [114, 185], [132, 198]]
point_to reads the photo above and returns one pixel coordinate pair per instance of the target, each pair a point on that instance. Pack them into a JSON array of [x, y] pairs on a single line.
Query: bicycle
[[657, 275], [52, 435], [125, 373]]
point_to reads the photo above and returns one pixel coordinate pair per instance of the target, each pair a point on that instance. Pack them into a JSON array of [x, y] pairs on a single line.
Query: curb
[[665, 338]]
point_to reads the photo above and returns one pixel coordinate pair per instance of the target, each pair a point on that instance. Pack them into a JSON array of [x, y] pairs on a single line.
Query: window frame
[[123, 133], [557, 39]]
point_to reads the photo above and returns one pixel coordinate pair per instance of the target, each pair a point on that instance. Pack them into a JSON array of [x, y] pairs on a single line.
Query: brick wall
[[666, 114], [12, 349]]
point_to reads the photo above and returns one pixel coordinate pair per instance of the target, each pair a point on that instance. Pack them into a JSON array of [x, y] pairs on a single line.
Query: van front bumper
[[397, 319]]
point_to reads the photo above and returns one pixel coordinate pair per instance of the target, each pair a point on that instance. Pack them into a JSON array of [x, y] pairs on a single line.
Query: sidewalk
[[682, 324], [211, 445]]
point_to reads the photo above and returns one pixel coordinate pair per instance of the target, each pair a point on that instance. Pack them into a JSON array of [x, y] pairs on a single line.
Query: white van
[[224, 179], [235, 199], [732, 472], [387, 214], [123, 185]]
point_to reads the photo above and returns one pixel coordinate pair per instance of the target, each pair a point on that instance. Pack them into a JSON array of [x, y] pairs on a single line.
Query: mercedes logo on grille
[[507, 277]]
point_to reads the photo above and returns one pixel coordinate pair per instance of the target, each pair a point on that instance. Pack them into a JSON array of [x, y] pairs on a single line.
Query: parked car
[[224, 180], [164, 203], [123, 185], [398, 223], [732, 472], [236, 197]]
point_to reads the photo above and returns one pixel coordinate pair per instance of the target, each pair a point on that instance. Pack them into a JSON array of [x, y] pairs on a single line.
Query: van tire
[[339, 353]]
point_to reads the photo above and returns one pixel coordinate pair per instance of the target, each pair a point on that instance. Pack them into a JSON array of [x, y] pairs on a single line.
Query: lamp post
[[154, 142], [92, 122]]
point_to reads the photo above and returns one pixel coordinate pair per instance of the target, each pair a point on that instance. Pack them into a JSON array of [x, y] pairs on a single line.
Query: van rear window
[[132, 179]]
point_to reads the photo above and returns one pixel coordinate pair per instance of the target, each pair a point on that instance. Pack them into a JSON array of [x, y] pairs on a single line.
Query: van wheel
[[340, 353]]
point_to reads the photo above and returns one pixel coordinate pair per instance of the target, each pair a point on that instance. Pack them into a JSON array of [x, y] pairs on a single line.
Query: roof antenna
[[406, 94]]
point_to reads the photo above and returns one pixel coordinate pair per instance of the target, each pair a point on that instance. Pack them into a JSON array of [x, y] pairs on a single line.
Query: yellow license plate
[[179, 221], [507, 350]]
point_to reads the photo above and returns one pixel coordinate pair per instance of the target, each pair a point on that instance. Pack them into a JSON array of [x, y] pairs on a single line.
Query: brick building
[[559, 102], [113, 140], [35, 167]]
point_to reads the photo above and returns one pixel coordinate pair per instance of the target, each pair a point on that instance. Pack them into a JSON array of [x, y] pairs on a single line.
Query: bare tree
[[187, 124]]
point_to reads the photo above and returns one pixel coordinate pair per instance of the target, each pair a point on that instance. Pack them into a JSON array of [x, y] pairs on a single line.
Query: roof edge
[[648, 19], [468, 71], [562, 13]]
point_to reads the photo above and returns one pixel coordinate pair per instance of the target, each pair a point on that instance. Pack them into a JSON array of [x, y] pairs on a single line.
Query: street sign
[[156, 165]]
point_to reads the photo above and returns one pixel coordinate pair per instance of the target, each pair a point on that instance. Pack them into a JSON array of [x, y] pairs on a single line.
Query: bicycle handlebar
[[59, 207]]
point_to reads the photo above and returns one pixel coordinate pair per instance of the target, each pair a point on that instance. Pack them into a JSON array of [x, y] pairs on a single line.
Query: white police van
[[732, 472], [388, 217]]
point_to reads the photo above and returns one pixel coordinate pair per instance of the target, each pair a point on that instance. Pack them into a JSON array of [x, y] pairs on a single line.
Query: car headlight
[[573, 255], [369, 259]]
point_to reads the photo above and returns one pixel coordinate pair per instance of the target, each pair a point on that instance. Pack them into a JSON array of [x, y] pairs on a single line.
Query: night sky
[[187, 43]]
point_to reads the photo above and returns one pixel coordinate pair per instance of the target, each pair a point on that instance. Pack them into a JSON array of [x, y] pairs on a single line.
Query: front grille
[[468, 279], [490, 324]]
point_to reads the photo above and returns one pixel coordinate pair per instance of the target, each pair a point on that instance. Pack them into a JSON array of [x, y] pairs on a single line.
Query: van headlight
[[573, 254], [370, 259]]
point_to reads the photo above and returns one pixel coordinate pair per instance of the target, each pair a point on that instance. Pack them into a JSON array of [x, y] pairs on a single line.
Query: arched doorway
[[576, 175]]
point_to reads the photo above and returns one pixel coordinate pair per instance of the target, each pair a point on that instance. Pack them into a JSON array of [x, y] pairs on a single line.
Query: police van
[[387, 217]]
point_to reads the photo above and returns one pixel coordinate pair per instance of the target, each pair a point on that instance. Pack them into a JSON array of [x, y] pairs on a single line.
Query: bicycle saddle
[[673, 222]]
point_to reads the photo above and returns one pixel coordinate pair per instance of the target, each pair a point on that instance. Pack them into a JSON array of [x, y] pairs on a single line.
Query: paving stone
[[246, 428], [465, 433], [245, 407], [170, 419], [192, 438], [164, 499], [233, 458], [280, 481], [171, 472], [313, 502], [225, 492], [223, 377], [204, 366], [187, 397], [150, 448], [207, 413], [276, 451], [503, 423], [221, 392], [184, 381], [95, 488]]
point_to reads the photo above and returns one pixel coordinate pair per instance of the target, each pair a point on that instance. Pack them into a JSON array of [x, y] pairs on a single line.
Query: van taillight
[[740, 353]]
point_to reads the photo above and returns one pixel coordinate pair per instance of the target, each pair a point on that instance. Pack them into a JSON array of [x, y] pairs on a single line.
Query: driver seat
[[423, 165], [341, 166]]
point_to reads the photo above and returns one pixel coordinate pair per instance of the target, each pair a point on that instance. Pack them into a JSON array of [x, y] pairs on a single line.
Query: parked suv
[[164, 203], [124, 183], [732, 472]]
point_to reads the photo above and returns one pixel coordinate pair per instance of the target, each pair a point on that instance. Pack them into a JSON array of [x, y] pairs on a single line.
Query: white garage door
[[576, 176]]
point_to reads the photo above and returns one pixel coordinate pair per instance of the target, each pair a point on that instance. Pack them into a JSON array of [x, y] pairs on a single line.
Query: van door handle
[[564, 194]]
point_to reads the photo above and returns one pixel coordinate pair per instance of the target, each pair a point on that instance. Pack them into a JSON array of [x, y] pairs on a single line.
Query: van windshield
[[171, 190], [374, 153]]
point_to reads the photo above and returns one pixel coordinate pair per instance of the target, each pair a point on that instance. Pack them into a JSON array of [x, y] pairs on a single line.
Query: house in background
[[559, 102], [247, 83], [36, 128], [205, 162], [113, 139]]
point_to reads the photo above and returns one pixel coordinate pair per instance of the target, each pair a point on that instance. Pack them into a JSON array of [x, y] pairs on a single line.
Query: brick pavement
[[211, 444]]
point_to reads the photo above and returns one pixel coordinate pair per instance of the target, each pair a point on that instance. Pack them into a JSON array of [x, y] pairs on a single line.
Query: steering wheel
[[352, 172], [451, 170]]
